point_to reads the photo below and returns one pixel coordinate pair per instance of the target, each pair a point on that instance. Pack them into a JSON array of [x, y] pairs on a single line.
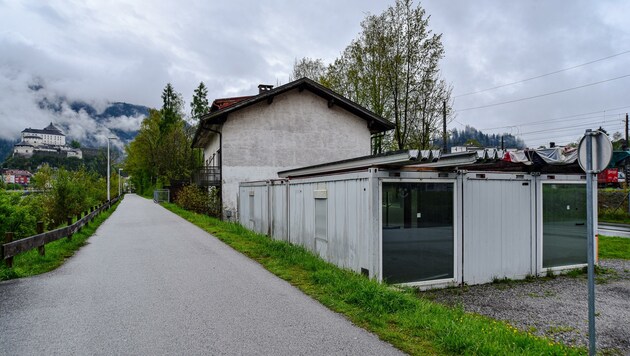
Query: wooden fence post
[[69, 224], [8, 237], [40, 230], [78, 220]]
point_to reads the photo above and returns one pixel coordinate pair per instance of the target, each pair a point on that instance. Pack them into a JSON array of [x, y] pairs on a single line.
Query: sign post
[[594, 154]]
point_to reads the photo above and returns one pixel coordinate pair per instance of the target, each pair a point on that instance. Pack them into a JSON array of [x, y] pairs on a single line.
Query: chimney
[[552, 144], [264, 88]]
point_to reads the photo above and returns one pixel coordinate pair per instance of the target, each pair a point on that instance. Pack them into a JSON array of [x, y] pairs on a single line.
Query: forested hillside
[[470, 135]]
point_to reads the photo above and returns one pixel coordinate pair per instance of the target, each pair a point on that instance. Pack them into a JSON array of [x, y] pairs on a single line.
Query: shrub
[[196, 199]]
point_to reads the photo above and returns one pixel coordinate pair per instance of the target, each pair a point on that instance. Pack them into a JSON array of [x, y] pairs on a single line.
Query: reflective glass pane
[[418, 233], [564, 224]]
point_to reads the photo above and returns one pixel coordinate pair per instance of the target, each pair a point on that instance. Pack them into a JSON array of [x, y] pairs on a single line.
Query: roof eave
[[376, 123], [206, 129], [397, 158]]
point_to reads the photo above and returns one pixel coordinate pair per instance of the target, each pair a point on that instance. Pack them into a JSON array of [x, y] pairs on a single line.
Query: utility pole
[[444, 125], [625, 166], [502, 144], [625, 146]]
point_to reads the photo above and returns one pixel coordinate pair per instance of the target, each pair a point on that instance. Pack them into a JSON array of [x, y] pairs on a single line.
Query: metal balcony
[[208, 176]]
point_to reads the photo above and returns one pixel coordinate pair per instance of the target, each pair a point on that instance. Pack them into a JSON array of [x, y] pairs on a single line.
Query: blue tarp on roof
[[618, 158]]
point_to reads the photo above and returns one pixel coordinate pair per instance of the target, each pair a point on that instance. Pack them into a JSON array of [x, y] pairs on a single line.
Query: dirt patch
[[557, 307]]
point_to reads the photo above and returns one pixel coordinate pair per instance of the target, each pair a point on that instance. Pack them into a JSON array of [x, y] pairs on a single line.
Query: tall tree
[[172, 107], [307, 67], [392, 68], [161, 152], [199, 104]]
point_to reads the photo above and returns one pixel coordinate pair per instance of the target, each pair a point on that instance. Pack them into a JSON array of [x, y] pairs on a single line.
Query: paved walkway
[[151, 283]]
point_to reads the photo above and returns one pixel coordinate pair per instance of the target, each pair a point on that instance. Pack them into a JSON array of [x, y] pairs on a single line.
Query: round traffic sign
[[602, 151]]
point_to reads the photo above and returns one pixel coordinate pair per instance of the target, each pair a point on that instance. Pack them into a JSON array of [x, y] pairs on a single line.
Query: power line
[[540, 76], [568, 133], [561, 118], [573, 127], [572, 137], [542, 95]]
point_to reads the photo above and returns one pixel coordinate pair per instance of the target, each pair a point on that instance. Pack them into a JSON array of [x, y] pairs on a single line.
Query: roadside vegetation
[[60, 193], [31, 263], [614, 247], [613, 205], [413, 324]]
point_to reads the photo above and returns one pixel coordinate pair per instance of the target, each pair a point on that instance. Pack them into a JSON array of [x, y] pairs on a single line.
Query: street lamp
[[119, 181], [108, 168]]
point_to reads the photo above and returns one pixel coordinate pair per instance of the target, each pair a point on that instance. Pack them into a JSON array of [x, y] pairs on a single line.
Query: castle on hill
[[48, 140]]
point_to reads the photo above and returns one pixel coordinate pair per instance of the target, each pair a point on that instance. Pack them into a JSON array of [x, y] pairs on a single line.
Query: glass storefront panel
[[418, 231], [564, 224]]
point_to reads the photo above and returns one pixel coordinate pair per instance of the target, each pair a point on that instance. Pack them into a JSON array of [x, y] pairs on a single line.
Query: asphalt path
[[610, 229], [150, 283]]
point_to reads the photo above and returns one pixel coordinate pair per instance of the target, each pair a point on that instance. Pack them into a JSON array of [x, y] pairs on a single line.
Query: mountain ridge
[[118, 118]]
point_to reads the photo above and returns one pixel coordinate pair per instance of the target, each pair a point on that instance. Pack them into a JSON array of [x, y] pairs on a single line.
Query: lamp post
[[119, 181], [108, 166]]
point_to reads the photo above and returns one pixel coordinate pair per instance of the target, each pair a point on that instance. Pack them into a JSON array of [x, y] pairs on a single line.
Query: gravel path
[[556, 307], [150, 283]]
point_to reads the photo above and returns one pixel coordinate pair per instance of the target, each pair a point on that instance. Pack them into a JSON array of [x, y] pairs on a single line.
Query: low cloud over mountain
[[29, 103]]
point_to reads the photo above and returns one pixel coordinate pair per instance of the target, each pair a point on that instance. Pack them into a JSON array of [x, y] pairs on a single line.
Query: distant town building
[[15, 176], [50, 139]]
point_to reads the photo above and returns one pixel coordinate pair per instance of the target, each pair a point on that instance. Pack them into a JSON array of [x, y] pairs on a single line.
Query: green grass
[[614, 247], [31, 263], [613, 216], [397, 315]]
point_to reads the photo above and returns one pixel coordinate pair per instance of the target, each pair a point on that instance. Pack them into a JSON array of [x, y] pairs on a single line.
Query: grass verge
[[31, 263], [397, 315], [614, 247]]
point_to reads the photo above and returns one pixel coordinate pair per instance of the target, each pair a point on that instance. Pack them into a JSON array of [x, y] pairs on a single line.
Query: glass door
[[418, 231], [564, 224]]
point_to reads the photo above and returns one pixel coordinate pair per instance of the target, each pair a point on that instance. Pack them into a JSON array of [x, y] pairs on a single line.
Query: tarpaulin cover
[[618, 158], [553, 156], [558, 155]]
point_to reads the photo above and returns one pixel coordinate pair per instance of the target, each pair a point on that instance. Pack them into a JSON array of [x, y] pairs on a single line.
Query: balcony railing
[[208, 176]]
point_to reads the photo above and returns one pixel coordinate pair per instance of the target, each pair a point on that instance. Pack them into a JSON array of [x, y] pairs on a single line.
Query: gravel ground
[[556, 307]]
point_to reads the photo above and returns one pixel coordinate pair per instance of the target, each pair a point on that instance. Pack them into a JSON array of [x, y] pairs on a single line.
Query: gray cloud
[[127, 51]]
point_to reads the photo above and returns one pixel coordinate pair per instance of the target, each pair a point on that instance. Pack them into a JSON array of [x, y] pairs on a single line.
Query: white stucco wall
[[23, 151], [295, 130], [210, 149], [46, 139]]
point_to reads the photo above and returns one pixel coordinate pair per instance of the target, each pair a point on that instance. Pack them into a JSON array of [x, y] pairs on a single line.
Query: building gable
[[216, 118]]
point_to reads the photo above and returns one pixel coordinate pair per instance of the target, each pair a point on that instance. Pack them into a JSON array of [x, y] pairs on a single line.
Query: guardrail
[[12, 248]]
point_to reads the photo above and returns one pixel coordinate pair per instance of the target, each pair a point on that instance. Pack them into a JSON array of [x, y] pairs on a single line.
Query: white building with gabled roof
[[49, 139]]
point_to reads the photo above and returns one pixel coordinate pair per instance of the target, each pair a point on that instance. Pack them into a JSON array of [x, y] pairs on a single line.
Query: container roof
[[544, 161]]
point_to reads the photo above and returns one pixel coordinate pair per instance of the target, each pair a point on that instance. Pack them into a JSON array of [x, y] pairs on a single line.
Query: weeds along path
[[149, 282]]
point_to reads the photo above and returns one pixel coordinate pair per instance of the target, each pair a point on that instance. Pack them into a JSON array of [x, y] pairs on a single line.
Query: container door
[[418, 232], [498, 231], [564, 224]]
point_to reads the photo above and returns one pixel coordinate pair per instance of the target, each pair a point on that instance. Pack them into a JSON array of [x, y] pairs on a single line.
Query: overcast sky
[[108, 51]]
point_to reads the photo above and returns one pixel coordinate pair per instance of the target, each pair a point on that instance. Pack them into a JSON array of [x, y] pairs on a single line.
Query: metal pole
[[625, 166], [108, 197], [119, 181], [590, 240], [444, 125]]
